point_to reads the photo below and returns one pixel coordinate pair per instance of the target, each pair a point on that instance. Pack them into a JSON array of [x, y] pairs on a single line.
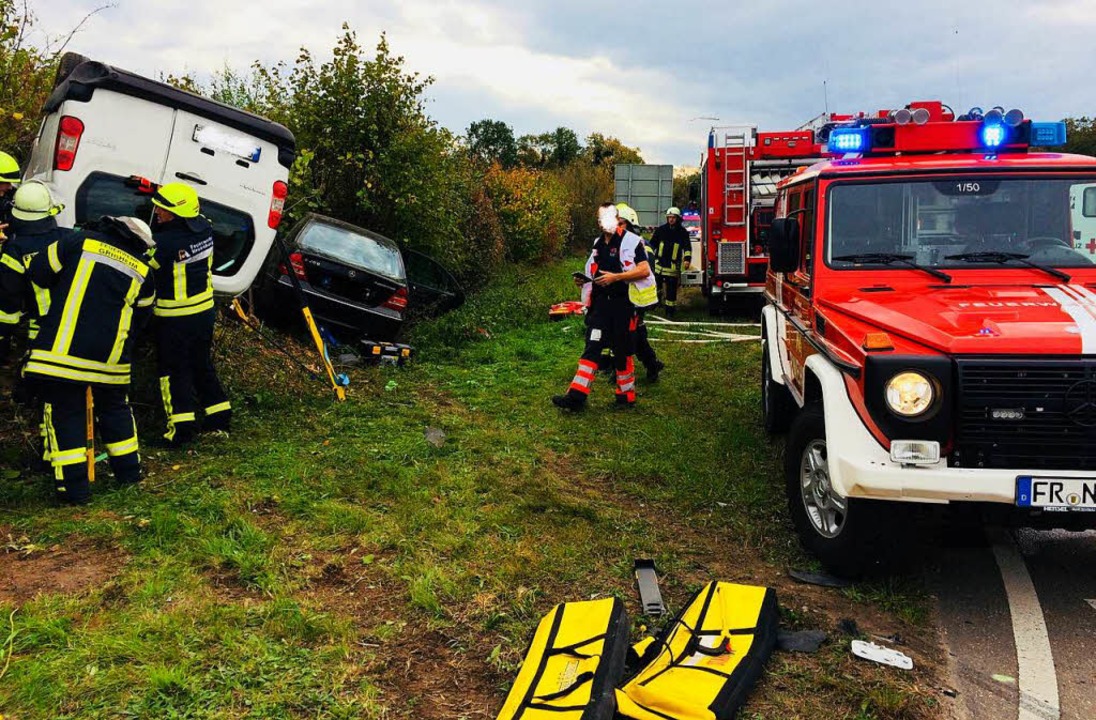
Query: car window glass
[[353, 248], [233, 231], [1089, 209]]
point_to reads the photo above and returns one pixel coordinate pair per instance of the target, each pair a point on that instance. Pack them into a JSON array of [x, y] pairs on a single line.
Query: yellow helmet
[[9, 169], [625, 211], [33, 201], [177, 198]]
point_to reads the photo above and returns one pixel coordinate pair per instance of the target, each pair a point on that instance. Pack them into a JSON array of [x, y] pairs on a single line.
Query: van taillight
[[398, 301], [297, 261], [277, 204], [68, 142]]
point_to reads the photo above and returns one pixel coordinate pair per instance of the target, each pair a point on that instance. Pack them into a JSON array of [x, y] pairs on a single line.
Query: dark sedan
[[356, 281]]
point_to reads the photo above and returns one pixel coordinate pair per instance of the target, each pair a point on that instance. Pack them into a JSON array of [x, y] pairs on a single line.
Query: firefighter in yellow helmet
[[185, 316], [10, 176]]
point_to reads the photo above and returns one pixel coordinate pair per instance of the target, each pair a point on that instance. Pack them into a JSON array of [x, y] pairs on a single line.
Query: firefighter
[[644, 352], [670, 244], [99, 281], [621, 282], [185, 316], [10, 176], [32, 229]]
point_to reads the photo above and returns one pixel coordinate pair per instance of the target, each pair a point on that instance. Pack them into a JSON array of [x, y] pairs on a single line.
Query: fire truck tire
[[841, 532], [777, 404], [715, 305]]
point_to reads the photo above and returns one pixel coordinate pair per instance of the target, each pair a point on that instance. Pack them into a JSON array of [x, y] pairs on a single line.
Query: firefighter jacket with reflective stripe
[[621, 253], [20, 297], [671, 245], [183, 265], [97, 283]]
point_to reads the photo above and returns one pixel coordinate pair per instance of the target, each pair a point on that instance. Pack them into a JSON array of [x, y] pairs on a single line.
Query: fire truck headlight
[[910, 394]]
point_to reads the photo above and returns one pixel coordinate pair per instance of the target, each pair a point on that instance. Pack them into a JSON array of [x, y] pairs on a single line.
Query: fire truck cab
[[740, 171], [929, 333]]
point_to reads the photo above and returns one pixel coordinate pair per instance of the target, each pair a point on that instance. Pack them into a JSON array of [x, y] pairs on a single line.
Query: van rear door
[[239, 171]]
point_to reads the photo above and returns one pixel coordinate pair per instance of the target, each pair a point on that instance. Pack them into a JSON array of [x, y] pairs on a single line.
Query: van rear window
[[233, 231]]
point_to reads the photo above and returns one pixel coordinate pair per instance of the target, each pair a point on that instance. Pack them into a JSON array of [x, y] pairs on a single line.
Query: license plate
[[1056, 493]]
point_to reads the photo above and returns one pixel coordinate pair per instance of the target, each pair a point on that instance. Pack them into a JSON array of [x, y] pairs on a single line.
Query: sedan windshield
[[376, 254], [964, 222]]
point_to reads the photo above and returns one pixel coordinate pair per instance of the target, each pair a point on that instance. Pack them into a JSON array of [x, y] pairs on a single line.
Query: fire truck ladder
[[736, 141]]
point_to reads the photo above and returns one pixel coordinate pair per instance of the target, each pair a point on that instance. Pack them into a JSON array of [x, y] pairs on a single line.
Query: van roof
[[85, 78]]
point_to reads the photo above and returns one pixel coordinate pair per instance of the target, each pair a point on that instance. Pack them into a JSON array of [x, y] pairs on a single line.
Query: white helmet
[[133, 228], [33, 201]]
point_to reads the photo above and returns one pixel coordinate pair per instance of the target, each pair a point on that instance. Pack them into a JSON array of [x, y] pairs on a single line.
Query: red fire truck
[[929, 334], [739, 174]]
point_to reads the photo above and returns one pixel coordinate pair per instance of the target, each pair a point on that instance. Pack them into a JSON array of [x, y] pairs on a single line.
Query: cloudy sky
[[650, 73]]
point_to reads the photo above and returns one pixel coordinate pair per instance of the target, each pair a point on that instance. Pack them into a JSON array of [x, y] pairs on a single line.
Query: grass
[[329, 561]]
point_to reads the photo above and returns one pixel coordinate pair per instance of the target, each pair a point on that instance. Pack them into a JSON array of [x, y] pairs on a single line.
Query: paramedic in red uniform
[[621, 282]]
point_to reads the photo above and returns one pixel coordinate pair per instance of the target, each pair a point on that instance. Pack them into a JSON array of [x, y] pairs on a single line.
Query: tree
[[492, 141], [603, 150], [27, 72], [549, 150], [1080, 136], [686, 188]]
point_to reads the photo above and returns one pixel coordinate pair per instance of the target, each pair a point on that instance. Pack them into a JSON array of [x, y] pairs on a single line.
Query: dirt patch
[[27, 572], [423, 673]]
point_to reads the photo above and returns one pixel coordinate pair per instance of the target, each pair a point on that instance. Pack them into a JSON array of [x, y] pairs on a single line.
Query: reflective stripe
[[203, 255], [84, 376], [183, 417], [181, 312], [10, 318], [179, 272], [68, 457], [124, 322], [146, 302], [76, 362], [41, 298], [185, 301], [47, 431], [220, 407], [10, 262], [122, 447], [72, 307], [112, 264], [117, 256], [54, 261]]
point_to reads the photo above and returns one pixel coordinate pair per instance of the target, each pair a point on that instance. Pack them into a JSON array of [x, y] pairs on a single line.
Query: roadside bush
[[532, 209]]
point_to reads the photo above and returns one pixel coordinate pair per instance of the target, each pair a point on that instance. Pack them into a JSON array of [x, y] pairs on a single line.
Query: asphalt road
[[1018, 614]]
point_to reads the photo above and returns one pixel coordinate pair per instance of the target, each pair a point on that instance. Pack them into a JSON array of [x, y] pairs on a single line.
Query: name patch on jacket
[[115, 255], [197, 251]]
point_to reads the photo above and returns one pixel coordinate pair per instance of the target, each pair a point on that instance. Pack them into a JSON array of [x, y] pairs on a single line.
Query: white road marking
[[1037, 680]]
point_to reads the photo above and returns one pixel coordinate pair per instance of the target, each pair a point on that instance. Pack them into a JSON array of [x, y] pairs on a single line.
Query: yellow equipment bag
[[574, 663], [703, 664]]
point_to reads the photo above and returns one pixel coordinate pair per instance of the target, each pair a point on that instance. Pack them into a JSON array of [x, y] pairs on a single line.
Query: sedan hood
[[1042, 319]]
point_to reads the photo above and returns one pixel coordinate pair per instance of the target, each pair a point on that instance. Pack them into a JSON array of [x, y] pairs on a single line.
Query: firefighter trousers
[[611, 323], [667, 282], [188, 380], [65, 423]]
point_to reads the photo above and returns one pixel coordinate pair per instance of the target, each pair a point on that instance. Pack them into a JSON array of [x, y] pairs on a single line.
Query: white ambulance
[[105, 127]]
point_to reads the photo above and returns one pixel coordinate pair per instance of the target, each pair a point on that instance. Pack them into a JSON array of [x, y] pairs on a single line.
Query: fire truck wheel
[[839, 531], [715, 305], [777, 405]]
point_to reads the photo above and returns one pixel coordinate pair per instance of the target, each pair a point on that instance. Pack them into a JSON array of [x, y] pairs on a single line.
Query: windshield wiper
[[1001, 258], [890, 259]]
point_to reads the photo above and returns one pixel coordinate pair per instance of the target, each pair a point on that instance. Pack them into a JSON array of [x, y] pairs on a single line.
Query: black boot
[[653, 371], [572, 401], [623, 403]]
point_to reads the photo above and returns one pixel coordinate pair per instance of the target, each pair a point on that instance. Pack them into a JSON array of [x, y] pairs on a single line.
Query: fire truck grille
[[1026, 415], [732, 258]]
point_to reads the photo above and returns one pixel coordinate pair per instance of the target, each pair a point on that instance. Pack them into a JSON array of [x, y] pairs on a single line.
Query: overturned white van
[[104, 126]]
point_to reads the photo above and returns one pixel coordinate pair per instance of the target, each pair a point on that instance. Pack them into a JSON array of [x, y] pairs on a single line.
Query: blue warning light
[[849, 140]]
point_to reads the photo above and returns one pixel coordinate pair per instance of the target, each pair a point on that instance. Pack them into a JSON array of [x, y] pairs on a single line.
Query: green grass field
[[329, 561]]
